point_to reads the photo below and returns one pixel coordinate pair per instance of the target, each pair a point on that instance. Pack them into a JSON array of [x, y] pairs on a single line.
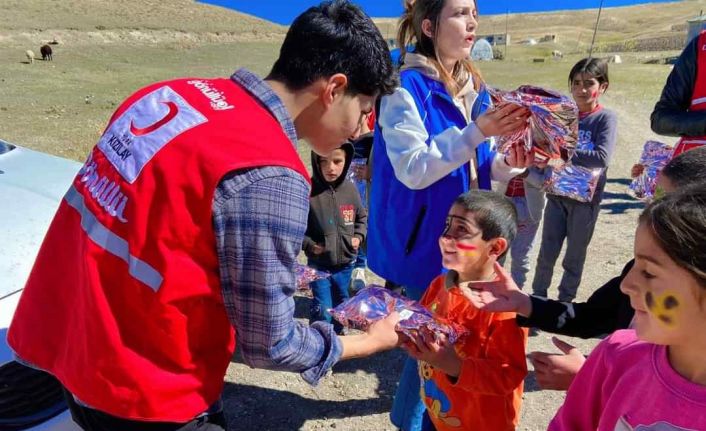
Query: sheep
[[30, 56], [46, 52]]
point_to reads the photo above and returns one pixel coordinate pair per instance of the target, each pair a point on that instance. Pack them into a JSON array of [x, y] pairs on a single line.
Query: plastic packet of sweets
[[306, 274], [375, 302], [552, 129], [574, 182], [655, 155]]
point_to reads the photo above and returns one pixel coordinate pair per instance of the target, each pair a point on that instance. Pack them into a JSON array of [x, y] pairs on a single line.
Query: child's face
[[463, 248], [332, 165], [586, 90], [666, 297]]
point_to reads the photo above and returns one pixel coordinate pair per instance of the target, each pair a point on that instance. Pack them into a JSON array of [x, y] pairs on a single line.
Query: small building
[[496, 39], [696, 25]]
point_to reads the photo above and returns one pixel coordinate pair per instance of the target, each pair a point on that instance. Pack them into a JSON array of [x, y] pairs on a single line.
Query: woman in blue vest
[[431, 145]]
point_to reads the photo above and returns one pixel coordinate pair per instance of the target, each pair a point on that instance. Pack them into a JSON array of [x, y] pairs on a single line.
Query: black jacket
[[606, 311], [671, 116], [336, 215]]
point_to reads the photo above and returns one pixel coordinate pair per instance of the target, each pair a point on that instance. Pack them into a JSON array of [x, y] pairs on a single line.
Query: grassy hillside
[[127, 21], [575, 28]]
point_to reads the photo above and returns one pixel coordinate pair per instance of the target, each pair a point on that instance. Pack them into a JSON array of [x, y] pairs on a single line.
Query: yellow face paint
[[467, 250], [664, 307]]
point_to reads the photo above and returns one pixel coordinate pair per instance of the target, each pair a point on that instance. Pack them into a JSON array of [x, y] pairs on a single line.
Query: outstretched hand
[[498, 295], [557, 371]]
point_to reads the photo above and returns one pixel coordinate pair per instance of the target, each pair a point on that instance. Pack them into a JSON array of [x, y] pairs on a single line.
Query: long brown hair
[[410, 31]]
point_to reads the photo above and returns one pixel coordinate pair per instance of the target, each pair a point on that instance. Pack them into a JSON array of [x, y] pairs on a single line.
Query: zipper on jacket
[[415, 230]]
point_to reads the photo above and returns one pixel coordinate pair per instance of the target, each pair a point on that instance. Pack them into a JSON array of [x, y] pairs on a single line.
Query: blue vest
[[404, 225]]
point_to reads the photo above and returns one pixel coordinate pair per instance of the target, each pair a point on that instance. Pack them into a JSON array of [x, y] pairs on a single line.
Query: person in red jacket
[[681, 109], [179, 235]]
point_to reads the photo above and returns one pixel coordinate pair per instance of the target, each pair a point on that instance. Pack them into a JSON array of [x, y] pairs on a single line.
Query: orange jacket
[[487, 394]]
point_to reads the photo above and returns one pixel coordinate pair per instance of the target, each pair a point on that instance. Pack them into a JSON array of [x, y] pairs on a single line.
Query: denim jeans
[[328, 293], [362, 260]]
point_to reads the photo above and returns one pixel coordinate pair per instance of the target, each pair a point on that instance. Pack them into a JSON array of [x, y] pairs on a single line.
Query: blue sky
[[284, 11]]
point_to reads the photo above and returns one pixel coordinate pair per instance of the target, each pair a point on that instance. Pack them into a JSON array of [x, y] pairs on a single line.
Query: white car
[[31, 186]]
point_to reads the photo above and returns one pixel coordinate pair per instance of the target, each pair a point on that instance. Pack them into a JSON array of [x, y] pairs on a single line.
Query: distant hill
[[148, 21], [619, 26]]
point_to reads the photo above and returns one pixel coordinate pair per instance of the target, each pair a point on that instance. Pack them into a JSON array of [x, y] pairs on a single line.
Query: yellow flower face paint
[[664, 307]]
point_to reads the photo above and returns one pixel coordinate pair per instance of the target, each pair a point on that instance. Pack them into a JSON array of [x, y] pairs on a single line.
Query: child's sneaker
[[358, 281]]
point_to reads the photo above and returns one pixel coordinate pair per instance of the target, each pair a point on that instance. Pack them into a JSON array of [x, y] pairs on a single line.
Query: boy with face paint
[[476, 383], [606, 310]]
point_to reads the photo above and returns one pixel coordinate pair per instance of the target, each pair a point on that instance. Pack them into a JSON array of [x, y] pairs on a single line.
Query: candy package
[[306, 274], [552, 129], [655, 155], [574, 182], [375, 302]]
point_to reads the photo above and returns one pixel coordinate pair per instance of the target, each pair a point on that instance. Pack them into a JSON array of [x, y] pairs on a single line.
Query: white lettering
[[105, 192], [218, 100]]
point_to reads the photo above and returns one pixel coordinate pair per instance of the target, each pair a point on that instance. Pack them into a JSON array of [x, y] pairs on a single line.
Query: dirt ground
[[61, 107]]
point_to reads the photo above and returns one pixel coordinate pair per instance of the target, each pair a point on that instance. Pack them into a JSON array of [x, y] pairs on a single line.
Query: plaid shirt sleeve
[[259, 218]]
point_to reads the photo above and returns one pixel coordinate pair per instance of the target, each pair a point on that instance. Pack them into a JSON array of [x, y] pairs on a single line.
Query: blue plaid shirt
[[259, 217]]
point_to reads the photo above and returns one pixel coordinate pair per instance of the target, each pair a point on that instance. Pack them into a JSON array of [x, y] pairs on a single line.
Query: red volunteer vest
[[123, 304], [698, 98]]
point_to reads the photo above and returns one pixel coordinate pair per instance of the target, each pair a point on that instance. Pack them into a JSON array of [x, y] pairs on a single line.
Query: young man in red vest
[[180, 233], [681, 110]]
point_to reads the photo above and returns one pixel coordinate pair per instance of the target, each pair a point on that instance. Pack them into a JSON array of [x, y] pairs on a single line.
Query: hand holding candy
[[503, 120], [355, 242], [519, 157], [383, 333], [637, 170], [435, 350]]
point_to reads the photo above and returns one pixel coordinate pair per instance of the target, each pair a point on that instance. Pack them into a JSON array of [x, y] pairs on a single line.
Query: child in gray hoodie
[[336, 228]]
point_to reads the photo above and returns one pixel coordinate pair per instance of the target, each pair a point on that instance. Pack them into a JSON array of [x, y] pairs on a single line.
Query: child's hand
[[519, 157], [637, 170], [317, 249], [555, 371], [501, 294], [355, 242], [435, 350], [502, 121]]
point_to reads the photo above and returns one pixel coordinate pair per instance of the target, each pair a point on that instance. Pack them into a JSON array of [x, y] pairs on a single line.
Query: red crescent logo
[[139, 131]]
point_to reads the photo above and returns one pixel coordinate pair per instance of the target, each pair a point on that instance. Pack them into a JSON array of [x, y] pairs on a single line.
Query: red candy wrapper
[[574, 182], [306, 274], [375, 302], [655, 155], [553, 126]]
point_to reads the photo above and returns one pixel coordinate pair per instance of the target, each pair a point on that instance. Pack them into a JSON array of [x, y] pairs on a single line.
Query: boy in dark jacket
[[335, 230]]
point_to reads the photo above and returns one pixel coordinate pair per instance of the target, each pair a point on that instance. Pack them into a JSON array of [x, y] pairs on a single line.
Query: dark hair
[[686, 168], [335, 37], [410, 30], [494, 214], [595, 67], [678, 223]]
